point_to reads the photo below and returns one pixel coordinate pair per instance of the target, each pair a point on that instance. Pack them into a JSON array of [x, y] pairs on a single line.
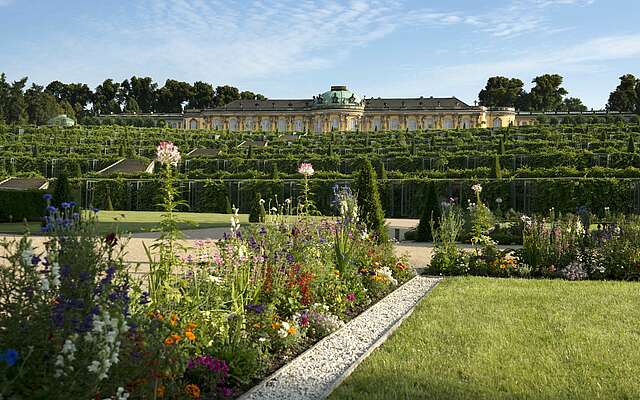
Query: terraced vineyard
[[530, 169]]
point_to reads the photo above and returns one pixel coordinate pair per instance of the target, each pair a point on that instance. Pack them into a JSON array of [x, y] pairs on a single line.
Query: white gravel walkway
[[319, 370]]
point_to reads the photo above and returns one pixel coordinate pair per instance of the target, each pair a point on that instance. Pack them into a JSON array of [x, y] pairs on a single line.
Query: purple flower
[[51, 209], [47, 196], [65, 204], [95, 210], [10, 356], [256, 308], [351, 297]]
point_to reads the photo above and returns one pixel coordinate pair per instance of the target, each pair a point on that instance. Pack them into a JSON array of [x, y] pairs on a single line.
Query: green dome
[[61, 120], [338, 95]]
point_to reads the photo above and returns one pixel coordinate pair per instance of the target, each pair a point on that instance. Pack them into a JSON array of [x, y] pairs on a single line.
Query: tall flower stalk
[[307, 171], [167, 246]]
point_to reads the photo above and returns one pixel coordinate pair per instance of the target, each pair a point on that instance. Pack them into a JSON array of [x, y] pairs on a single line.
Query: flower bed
[[206, 322]]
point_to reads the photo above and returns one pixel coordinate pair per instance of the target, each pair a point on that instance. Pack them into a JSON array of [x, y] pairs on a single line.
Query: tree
[[626, 95], [143, 90], [172, 96], [131, 106], [366, 188], [547, 94], [430, 212], [501, 92], [225, 95], [631, 146], [258, 212], [4, 97], [202, 95], [16, 111], [572, 104], [497, 169], [105, 98], [62, 190], [501, 150], [41, 106]]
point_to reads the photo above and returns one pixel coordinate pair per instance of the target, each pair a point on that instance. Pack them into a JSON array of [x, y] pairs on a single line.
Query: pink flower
[[351, 297], [306, 169], [167, 153]]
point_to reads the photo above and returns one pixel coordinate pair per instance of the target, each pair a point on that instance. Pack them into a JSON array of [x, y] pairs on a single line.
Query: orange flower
[[275, 325], [176, 338], [190, 336], [192, 390], [169, 341], [174, 319], [292, 330], [191, 326], [160, 390]]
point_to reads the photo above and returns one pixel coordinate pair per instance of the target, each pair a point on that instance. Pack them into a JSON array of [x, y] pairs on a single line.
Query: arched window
[[233, 124], [193, 124], [412, 124], [265, 125], [376, 124], [428, 123], [352, 124], [282, 125], [447, 123], [394, 123], [335, 124], [216, 124], [298, 125], [497, 123], [248, 124], [466, 123], [318, 125]]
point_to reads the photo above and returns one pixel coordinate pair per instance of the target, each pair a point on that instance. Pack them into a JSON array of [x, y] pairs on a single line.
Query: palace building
[[342, 110]]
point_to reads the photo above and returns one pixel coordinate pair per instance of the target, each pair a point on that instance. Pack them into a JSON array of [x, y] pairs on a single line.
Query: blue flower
[[51, 209], [64, 204], [47, 196], [73, 204], [95, 210], [10, 356]]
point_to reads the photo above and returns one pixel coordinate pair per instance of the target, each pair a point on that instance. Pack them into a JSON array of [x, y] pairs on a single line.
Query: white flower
[[306, 169], [274, 209], [94, 366], [167, 153], [387, 274], [287, 201], [476, 188], [55, 275], [262, 339], [261, 202], [122, 394], [283, 333], [499, 200], [215, 279], [44, 284]]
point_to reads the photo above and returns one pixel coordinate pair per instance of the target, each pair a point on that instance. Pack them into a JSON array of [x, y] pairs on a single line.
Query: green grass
[[139, 221], [481, 338]]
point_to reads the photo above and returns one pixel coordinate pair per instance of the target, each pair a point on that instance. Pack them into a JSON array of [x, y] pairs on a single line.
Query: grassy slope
[[506, 338], [138, 221]]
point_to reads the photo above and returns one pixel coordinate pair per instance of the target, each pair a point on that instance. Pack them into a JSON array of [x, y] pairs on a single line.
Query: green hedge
[[17, 205]]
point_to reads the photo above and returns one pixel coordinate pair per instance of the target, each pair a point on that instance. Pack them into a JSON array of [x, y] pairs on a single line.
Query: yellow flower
[[190, 336], [275, 325], [292, 330], [192, 390]]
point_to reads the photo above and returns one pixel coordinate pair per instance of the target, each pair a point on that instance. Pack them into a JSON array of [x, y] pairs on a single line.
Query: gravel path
[[315, 373]]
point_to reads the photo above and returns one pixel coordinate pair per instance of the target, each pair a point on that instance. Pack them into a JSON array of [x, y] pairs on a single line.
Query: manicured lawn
[[138, 221], [505, 338]]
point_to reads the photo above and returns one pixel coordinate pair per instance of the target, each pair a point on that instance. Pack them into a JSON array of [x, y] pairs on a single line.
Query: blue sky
[[297, 48]]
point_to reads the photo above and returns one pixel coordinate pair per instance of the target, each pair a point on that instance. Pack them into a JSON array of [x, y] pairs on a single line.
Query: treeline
[[548, 95], [36, 104]]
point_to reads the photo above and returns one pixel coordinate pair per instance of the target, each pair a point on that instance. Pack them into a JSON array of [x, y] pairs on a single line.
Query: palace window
[[265, 125], [394, 124], [352, 124], [216, 124], [412, 124], [298, 125], [497, 123], [318, 126], [193, 124], [248, 124], [376, 124], [448, 123], [428, 123], [335, 124], [282, 125], [233, 124]]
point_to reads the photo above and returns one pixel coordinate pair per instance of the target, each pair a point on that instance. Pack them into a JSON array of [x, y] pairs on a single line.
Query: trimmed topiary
[[369, 206]]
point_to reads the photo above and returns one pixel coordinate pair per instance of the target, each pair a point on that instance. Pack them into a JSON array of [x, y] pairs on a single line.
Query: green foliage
[[20, 205], [61, 190], [258, 212], [366, 188], [431, 214], [497, 169]]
